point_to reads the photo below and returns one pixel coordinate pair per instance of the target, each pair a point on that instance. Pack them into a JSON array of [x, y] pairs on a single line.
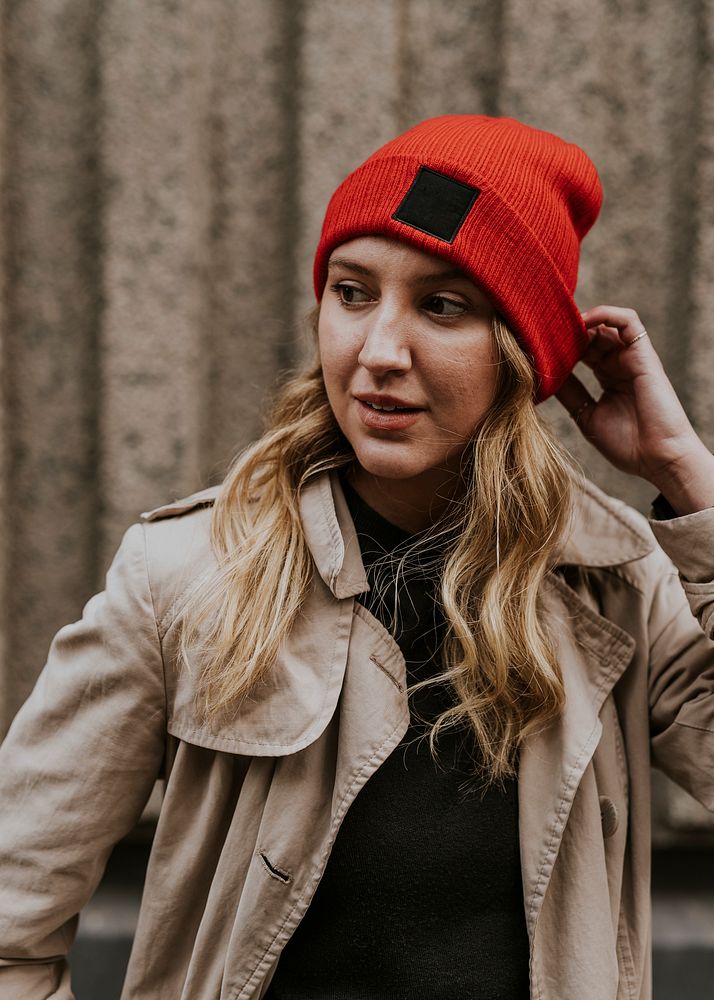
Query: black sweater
[[421, 898]]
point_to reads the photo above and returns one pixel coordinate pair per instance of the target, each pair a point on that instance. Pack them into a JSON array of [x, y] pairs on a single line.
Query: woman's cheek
[[336, 357]]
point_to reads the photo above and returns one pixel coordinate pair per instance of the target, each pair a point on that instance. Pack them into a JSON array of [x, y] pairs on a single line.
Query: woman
[[404, 671]]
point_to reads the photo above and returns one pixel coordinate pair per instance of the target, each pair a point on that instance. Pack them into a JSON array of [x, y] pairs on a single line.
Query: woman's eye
[[439, 305], [443, 305], [347, 293]]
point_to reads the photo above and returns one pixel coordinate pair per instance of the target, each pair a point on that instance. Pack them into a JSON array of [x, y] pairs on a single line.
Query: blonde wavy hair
[[504, 530]]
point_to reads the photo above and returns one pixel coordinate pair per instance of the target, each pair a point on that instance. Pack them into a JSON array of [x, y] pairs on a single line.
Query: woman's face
[[401, 328]]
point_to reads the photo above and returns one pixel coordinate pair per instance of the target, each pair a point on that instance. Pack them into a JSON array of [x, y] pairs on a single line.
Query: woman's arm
[[76, 770], [681, 656], [639, 424]]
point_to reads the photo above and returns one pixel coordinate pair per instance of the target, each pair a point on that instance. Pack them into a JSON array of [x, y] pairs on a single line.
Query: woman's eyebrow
[[422, 279]]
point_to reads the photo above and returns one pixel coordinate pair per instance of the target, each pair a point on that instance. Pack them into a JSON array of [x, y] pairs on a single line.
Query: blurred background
[[164, 169]]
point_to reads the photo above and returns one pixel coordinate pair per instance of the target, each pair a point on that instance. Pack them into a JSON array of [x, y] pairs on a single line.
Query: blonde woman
[[404, 671]]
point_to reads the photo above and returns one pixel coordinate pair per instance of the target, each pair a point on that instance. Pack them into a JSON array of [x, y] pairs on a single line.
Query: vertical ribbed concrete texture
[[164, 169]]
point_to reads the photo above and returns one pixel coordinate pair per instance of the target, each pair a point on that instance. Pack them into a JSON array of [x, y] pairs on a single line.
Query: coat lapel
[[296, 701], [592, 653]]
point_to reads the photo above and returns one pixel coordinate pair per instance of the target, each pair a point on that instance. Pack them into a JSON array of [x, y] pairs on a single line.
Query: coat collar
[[331, 536], [301, 697], [603, 532]]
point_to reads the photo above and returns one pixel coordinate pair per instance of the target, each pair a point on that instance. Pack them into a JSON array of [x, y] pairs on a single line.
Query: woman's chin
[[391, 466]]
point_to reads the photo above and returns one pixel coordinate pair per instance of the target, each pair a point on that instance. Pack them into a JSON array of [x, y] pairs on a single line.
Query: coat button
[[608, 816]]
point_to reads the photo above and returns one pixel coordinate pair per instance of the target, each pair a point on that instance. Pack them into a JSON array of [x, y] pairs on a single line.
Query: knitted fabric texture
[[507, 203]]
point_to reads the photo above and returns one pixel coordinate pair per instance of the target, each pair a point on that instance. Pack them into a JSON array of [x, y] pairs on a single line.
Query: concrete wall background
[[164, 169]]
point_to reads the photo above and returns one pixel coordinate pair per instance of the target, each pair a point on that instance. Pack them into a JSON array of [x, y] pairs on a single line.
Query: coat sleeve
[[682, 654], [76, 770]]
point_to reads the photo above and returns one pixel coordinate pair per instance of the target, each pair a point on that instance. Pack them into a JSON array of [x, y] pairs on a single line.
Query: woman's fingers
[[619, 347], [612, 328], [616, 322]]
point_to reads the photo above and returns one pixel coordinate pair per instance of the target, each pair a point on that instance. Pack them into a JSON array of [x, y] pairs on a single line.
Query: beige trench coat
[[251, 811]]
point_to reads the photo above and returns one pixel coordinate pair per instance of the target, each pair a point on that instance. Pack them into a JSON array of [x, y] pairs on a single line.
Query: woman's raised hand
[[638, 423]]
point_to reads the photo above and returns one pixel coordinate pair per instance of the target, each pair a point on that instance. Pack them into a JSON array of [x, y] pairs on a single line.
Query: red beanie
[[505, 202]]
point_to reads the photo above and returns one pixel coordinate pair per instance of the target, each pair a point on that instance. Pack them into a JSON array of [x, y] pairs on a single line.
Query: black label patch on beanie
[[436, 204]]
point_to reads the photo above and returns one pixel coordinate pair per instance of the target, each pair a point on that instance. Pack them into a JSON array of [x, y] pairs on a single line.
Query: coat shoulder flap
[[202, 498], [178, 550]]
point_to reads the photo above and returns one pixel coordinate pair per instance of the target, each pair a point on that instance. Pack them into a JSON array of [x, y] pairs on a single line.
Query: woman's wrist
[[688, 484]]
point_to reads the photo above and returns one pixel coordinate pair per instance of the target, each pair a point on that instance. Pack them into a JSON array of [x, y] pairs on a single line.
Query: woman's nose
[[386, 345]]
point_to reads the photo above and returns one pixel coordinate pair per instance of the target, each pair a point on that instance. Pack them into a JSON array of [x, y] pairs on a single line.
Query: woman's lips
[[385, 420]]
